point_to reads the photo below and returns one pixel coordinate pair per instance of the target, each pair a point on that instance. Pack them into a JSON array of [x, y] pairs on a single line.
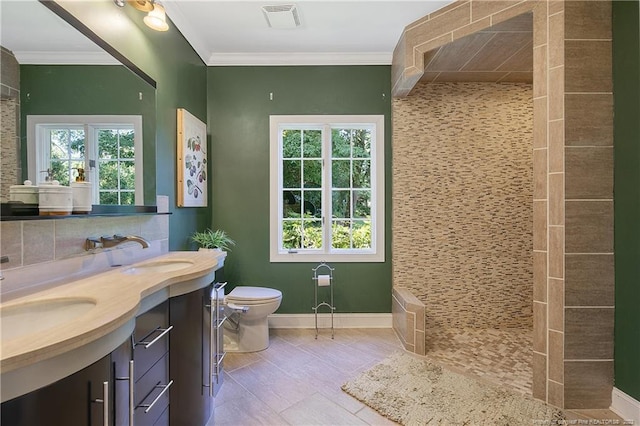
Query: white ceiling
[[331, 32], [236, 32], [36, 35]]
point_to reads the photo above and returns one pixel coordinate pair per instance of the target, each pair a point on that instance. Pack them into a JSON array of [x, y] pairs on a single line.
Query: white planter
[[215, 250]]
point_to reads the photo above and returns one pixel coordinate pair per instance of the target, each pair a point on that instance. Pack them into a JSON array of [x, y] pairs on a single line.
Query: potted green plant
[[209, 239]]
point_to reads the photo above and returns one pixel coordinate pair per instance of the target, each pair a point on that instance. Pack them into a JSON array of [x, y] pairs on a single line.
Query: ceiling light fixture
[[142, 5], [157, 18]]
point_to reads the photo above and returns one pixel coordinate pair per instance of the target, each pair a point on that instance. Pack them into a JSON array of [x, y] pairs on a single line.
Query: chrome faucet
[[107, 242]]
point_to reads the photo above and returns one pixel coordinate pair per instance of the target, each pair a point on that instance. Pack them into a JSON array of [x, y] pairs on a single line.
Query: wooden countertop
[[118, 298]]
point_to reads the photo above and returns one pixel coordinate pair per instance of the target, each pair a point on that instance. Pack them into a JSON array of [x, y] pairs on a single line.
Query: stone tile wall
[[462, 202], [10, 164]]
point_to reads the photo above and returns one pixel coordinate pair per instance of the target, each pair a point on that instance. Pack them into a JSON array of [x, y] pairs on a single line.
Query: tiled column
[[540, 199], [556, 232], [588, 186]]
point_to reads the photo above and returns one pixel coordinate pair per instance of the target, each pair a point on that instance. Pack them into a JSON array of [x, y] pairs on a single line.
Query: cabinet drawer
[[150, 326], [152, 387]]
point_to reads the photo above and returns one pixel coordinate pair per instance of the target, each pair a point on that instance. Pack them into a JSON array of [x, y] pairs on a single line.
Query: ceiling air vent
[[281, 16]]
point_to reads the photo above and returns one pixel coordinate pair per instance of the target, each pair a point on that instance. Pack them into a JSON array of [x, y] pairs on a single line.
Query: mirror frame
[[82, 28]]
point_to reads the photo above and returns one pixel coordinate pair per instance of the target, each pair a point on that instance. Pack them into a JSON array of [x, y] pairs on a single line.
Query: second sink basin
[[158, 266], [19, 320]]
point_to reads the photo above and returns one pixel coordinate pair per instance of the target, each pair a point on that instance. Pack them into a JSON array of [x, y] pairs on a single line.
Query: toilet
[[247, 309]]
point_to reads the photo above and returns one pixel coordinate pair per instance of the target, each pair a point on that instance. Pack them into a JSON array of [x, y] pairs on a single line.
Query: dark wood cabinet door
[[70, 401], [120, 367], [189, 359]]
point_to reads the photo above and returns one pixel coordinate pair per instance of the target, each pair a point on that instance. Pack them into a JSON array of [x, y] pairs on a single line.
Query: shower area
[[463, 218], [503, 195]]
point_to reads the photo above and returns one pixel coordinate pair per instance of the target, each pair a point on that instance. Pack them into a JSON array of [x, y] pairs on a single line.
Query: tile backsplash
[[34, 243]]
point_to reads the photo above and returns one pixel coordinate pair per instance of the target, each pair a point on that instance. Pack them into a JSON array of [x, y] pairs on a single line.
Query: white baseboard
[[359, 320], [625, 406]]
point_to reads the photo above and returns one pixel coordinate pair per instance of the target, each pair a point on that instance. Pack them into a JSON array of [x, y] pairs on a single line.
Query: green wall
[[239, 109], [181, 79], [626, 72], [88, 90]]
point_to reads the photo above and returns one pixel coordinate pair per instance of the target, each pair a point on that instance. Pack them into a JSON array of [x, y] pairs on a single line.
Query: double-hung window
[[327, 188]]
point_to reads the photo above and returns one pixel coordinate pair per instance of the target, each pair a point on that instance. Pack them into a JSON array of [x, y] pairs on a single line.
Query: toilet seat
[[247, 295]]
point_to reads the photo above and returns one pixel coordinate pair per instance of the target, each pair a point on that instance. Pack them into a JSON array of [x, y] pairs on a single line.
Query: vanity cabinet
[[134, 378], [76, 400], [166, 372], [196, 354]]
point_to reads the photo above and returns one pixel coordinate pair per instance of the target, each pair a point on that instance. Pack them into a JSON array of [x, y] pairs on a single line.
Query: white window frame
[[38, 149], [376, 253]]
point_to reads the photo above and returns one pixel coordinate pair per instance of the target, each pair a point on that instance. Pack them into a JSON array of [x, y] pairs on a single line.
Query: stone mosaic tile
[[503, 356], [462, 202], [9, 159]]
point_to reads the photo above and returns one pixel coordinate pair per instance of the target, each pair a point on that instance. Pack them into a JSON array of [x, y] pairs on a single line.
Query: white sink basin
[[158, 266], [19, 320]]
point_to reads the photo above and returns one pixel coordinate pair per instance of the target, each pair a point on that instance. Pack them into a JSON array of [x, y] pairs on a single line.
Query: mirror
[[51, 68]]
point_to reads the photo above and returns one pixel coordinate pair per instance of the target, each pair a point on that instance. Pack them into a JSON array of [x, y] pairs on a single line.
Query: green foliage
[[67, 152], [350, 188], [304, 233], [307, 234], [213, 239], [116, 156]]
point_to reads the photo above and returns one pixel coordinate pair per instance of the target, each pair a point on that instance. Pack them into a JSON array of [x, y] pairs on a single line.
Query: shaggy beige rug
[[415, 391]]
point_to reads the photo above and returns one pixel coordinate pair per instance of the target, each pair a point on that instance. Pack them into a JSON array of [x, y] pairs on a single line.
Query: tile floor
[[501, 356], [296, 381]]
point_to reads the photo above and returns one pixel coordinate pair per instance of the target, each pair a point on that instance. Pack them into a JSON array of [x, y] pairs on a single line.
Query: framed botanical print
[[192, 161]]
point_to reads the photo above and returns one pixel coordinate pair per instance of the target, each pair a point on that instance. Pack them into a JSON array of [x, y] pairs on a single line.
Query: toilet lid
[[247, 293]]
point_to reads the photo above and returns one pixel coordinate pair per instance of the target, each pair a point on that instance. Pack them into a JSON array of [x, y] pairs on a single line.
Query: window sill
[[330, 258]]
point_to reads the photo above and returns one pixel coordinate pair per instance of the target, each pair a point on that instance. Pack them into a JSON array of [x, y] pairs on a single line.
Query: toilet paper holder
[[323, 277]]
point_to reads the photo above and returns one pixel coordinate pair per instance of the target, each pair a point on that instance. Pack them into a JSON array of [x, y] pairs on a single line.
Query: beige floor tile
[[372, 417], [233, 360], [319, 373], [297, 336], [341, 356], [231, 391], [317, 409], [343, 399], [288, 356], [245, 411], [272, 385]]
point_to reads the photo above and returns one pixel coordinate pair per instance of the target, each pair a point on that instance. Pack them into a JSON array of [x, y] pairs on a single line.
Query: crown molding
[[298, 58], [182, 24], [65, 58]]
